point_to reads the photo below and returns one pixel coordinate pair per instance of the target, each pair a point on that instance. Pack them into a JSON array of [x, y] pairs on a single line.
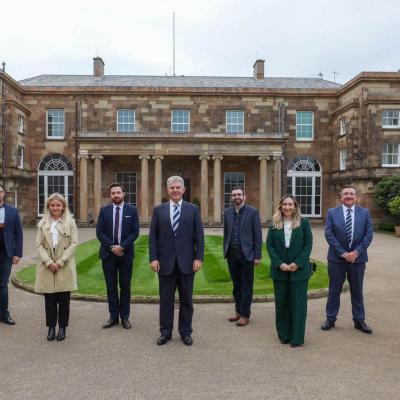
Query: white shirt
[[287, 227], [121, 208], [2, 214], [171, 209], [54, 232], [352, 218]]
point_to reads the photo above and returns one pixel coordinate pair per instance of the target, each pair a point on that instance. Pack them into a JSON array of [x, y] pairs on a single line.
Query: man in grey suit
[[176, 252], [348, 230], [242, 249]]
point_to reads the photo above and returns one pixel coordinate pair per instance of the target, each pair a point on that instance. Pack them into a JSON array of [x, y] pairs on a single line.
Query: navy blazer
[[185, 247], [129, 230], [336, 236], [249, 231], [13, 237]]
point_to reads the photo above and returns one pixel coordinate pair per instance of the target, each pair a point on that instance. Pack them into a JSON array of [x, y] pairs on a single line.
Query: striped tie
[[175, 218], [349, 225]]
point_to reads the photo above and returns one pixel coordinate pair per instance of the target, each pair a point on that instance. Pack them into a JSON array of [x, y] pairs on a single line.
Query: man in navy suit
[[242, 249], [176, 252], [10, 251], [348, 230], [117, 229]]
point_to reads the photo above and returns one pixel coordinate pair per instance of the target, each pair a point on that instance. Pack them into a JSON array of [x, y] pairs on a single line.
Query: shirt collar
[[345, 208], [240, 209], [121, 205], [172, 203]]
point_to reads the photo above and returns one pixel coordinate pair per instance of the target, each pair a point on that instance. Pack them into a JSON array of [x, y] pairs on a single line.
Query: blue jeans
[[5, 272]]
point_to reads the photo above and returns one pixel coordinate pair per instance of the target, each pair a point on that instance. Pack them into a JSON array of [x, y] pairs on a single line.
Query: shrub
[[394, 208], [386, 190]]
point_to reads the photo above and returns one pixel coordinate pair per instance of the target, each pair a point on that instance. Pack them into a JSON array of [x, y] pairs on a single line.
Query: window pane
[[125, 120], [232, 179], [129, 182], [304, 125], [235, 121]]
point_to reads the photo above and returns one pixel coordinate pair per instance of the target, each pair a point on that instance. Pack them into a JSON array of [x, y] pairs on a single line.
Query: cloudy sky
[[213, 37]]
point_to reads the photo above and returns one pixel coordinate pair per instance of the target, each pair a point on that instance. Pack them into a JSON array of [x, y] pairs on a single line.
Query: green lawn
[[212, 279]]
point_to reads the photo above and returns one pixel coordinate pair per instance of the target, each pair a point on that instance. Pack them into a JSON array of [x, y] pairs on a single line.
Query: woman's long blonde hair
[[278, 217], [56, 196]]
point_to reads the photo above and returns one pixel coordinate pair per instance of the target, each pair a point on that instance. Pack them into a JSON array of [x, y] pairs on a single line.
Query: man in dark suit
[[176, 252], [242, 249], [117, 229], [348, 230], [10, 251]]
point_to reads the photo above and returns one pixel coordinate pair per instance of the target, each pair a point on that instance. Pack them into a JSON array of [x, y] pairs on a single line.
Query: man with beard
[[242, 249], [117, 229]]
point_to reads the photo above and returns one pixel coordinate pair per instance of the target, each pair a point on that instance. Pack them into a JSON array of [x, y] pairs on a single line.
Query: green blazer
[[298, 252]]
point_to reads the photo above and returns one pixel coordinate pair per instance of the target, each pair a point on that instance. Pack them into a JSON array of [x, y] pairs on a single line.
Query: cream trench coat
[[65, 279]]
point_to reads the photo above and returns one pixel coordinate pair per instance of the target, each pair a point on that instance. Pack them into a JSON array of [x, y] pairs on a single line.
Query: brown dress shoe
[[243, 321], [235, 318]]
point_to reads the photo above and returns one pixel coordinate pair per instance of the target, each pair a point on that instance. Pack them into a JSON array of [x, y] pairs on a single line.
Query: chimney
[[258, 69], [98, 66]]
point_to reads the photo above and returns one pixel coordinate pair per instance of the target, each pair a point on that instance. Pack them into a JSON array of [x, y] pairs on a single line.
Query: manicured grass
[[212, 279]]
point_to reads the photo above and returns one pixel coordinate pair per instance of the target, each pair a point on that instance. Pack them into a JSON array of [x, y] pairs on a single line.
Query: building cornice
[[345, 107], [18, 105], [11, 81]]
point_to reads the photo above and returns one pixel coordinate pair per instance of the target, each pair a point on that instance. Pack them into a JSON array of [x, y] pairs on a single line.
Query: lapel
[[244, 216], [182, 215], [7, 219], [46, 230], [356, 225], [124, 211], [61, 230], [340, 218], [167, 215], [281, 234], [295, 233]]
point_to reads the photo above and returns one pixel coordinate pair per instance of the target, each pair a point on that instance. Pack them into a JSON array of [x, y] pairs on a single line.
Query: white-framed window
[[129, 181], [125, 120], [55, 124], [343, 124], [21, 123], [232, 179], [20, 157], [180, 121], [391, 119], [304, 125], [234, 121], [390, 155], [342, 159]]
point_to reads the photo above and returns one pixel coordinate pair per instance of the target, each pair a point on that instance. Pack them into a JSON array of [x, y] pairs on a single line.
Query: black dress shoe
[[327, 325], [109, 323], [7, 319], [187, 340], [362, 326], [126, 324], [52, 334], [61, 334], [163, 340], [295, 345], [285, 341]]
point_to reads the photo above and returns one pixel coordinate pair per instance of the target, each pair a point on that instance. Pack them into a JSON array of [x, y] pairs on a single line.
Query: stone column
[[277, 181], [144, 188], [83, 183], [217, 187], [97, 196], [270, 189], [263, 188], [157, 179], [204, 187]]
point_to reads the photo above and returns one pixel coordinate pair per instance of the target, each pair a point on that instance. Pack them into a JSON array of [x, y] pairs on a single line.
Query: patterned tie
[[349, 225], [116, 226], [175, 218]]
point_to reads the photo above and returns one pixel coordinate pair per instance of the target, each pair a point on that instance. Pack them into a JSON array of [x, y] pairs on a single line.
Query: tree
[[386, 190]]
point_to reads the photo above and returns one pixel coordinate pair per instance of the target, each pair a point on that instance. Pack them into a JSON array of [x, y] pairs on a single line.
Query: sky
[[213, 38]]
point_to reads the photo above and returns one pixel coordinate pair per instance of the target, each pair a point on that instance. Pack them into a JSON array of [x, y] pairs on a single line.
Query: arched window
[[304, 182], [55, 174]]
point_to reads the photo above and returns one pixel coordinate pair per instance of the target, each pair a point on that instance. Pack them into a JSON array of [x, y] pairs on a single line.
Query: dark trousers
[[167, 287], [291, 310], [337, 275], [118, 271], [5, 272], [57, 308], [242, 275]]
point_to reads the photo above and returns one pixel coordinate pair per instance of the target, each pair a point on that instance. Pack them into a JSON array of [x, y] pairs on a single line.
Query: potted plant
[[394, 210]]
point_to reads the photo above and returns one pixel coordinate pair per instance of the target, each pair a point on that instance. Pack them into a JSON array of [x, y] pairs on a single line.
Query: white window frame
[[133, 124], [303, 139], [229, 126], [20, 123], [385, 152], [124, 185], [55, 123], [230, 193], [343, 126], [180, 124], [342, 159], [391, 126], [20, 157]]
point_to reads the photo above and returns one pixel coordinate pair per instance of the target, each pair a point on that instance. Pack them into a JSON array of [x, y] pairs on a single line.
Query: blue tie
[[175, 218], [348, 225]]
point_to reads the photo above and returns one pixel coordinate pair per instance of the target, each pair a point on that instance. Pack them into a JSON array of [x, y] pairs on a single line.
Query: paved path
[[225, 362]]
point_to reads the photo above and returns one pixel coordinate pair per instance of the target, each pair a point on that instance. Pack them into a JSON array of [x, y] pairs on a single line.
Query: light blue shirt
[[121, 208], [2, 214], [352, 218], [171, 209]]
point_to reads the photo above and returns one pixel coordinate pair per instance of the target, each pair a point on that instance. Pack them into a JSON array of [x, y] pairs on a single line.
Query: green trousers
[[291, 310]]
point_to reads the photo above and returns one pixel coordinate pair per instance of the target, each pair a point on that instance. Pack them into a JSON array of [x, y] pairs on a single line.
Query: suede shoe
[[363, 327], [327, 325], [110, 322], [234, 318], [126, 324], [243, 321]]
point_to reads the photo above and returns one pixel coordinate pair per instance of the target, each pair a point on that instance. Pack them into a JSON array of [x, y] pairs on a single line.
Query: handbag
[[313, 266]]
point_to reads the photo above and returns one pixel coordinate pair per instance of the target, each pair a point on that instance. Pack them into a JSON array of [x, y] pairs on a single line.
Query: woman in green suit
[[289, 244]]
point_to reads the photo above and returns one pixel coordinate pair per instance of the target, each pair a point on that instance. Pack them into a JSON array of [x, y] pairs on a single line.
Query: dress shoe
[[362, 326], [295, 345], [163, 340], [6, 318], [109, 323], [243, 321], [187, 340], [327, 325], [285, 341], [235, 318], [61, 334], [126, 324], [51, 334]]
